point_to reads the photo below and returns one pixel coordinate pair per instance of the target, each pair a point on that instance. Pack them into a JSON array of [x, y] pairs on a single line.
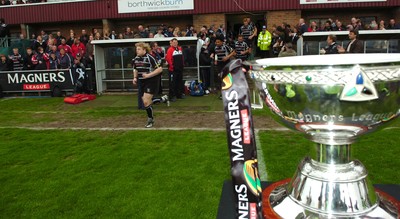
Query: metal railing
[[375, 41], [113, 62], [4, 42]]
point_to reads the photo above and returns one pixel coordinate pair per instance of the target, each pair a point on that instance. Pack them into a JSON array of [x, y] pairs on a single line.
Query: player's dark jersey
[[144, 64], [239, 48], [221, 52], [246, 31], [18, 61]]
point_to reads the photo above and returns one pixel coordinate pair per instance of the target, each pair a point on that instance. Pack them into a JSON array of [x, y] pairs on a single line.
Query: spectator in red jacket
[[78, 47], [65, 46], [175, 61]]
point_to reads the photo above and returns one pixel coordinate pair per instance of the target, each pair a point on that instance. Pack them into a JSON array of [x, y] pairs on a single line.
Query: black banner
[[241, 142], [19, 81]]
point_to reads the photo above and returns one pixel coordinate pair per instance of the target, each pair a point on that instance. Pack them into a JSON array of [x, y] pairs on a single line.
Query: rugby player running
[[147, 69]]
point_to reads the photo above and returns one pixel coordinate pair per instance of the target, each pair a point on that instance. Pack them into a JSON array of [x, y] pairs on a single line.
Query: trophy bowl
[[332, 99]]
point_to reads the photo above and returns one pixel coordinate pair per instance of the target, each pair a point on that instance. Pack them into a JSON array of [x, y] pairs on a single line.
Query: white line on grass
[[146, 129], [131, 129], [111, 110], [261, 164]]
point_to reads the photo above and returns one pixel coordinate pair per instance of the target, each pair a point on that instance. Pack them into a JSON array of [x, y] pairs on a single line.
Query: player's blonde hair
[[145, 46]]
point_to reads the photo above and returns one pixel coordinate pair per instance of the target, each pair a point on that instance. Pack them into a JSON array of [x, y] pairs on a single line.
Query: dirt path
[[212, 120]]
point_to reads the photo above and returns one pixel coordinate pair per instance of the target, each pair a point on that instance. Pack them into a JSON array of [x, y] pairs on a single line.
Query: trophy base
[[278, 204]]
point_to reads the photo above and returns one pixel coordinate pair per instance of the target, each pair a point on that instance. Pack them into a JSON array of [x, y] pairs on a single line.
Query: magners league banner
[[36, 80], [241, 142]]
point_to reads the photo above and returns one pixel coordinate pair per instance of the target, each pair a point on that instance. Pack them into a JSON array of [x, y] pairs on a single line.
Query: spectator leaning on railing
[[355, 45], [331, 47]]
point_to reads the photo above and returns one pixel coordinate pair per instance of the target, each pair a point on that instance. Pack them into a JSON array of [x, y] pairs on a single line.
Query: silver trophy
[[333, 99]]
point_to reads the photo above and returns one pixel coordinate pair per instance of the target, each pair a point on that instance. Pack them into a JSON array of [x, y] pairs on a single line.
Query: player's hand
[[134, 81], [250, 37], [144, 76], [225, 59]]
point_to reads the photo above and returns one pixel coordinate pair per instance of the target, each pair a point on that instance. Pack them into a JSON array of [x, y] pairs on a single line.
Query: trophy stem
[[325, 190], [333, 154]]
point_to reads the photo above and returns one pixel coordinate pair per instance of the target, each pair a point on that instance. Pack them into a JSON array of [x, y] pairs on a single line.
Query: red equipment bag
[[79, 98]]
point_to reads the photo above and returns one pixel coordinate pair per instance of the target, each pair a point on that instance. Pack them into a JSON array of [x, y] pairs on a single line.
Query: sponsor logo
[[81, 73], [235, 131], [177, 52], [270, 101], [243, 201], [47, 77], [132, 6], [311, 118], [36, 86], [359, 88], [246, 126], [154, 3], [228, 82], [250, 173]]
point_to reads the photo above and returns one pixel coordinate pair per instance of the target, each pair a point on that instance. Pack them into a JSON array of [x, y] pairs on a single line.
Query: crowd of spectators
[[284, 33], [59, 51], [48, 51], [19, 2]]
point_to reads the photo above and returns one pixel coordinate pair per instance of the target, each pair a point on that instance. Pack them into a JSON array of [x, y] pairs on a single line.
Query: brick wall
[[273, 18], [208, 20], [66, 27], [175, 21], [278, 17], [109, 25]]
